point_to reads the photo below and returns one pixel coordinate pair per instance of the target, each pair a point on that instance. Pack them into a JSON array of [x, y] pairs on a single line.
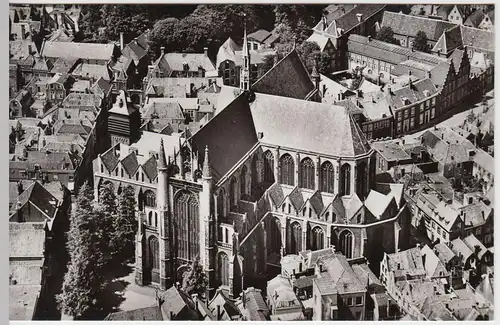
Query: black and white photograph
[[251, 162]]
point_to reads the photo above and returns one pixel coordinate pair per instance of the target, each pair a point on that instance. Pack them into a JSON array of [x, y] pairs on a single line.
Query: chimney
[[360, 17], [218, 316], [388, 306], [369, 38], [162, 49], [23, 31], [195, 299], [243, 298], [205, 51], [121, 41], [171, 315], [429, 74]]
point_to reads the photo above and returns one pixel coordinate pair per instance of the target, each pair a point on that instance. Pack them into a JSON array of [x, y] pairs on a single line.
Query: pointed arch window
[[232, 193], [361, 179], [243, 182], [268, 167], [220, 202], [287, 170], [346, 243], [307, 174], [296, 238], [254, 176], [345, 179], [150, 199], [327, 177], [223, 268], [154, 253], [317, 239], [186, 225], [150, 218]]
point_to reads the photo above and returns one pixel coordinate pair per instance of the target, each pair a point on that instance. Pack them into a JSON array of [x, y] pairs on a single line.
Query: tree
[[164, 33], [107, 209], [420, 43], [125, 226], [132, 20], [195, 280], [82, 282], [386, 34]]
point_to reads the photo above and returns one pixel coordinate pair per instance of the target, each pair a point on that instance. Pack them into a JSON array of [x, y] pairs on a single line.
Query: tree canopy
[[386, 34], [420, 43], [195, 280]]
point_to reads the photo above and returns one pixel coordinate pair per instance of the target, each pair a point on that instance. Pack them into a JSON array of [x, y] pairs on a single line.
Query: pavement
[[136, 296]]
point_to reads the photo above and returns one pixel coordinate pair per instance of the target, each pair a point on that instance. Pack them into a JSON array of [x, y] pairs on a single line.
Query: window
[[413, 111], [439, 231], [268, 167], [433, 101], [433, 112], [255, 46], [287, 170], [232, 193], [295, 238], [186, 216], [326, 177], [223, 268], [422, 107], [445, 235], [349, 301], [346, 243], [345, 178], [307, 174], [421, 119], [317, 239], [359, 300], [412, 123], [154, 247], [243, 175], [150, 199]]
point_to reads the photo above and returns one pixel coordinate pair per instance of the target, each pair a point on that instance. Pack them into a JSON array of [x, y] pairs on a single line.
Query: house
[[390, 154], [282, 301], [484, 255], [483, 169], [458, 14], [360, 19], [20, 105], [452, 263], [252, 305], [261, 39], [58, 88], [223, 307], [482, 20], [186, 65]]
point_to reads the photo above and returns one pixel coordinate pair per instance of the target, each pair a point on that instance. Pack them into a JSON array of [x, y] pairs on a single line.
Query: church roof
[[288, 78]]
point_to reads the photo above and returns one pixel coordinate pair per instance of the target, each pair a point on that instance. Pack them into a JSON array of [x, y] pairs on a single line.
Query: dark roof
[[149, 313], [450, 40], [478, 38], [135, 51], [63, 65], [143, 40], [40, 197], [150, 168], [475, 19], [288, 78], [130, 164], [180, 304], [410, 25], [261, 35], [256, 305], [350, 19], [276, 194], [46, 160], [229, 136], [296, 198], [110, 159]]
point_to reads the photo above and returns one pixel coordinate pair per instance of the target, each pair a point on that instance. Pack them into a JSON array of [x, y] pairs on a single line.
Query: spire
[[245, 69], [162, 164], [314, 73], [206, 165]]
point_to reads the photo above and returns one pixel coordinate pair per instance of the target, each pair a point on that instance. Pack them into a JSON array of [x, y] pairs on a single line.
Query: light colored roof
[[471, 241], [432, 264], [22, 301], [92, 71], [91, 51], [175, 61], [377, 203], [330, 129], [285, 297], [26, 240], [26, 271], [122, 105], [319, 39], [150, 142], [485, 160]]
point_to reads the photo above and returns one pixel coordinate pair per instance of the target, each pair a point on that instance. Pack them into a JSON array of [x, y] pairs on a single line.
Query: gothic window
[[345, 179], [317, 239], [307, 174], [346, 243], [220, 203], [254, 170], [296, 238], [243, 175], [186, 225], [150, 199], [326, 177], [223, 267], [232, 193], [327, 216], [153, 253], [361, 180], [287, 170], [268, 167], [102, 168], [150, 218], [156, 219]]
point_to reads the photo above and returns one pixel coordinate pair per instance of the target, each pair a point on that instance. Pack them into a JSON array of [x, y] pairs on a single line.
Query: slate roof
[[451, 145], [410, 25], [450, 40], [229, 136], [475, 19], [330, 129], [163, 110], [102, 85], [388, 52], [342, 275], [52, 160], [63, 65], [135, 51], [90, 51], [255, 305], [478, 38], [175, 61], [130, 164], [180, 304], [152, 313], [288, 78], [39, 197], [110, 159], [350, 20], [260, 35]]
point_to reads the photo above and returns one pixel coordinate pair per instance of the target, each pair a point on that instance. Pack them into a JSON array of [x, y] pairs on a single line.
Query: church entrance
[[152, 261]]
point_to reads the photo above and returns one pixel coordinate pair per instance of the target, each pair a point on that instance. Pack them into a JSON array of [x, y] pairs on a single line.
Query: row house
[[89, 53], [481, 19], [261, 39], [183, 65], [360, 20]]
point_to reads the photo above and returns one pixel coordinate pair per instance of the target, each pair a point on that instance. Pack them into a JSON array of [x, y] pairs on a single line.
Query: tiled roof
[[150, 168], [343, 276], [350, 19], [20, 49], [180, 304], [47, 160], [410, 25], [450, 40], [82, 101], [135, 51], [388, 52], [27, 240], [261, 35], [175, 62], [95, 71], [472, 242], [390, 150], [475, 19], [406, 262], [288, 78], [365, 275], [63, 65], [255, 304], [39, 197], [103, 85], [91, 51], [331, 129], [110, 159], [229, 136], [280, 291], [443, 143], [163, 110], [458, 246], [152, 313], [478, 38], [325, 286]]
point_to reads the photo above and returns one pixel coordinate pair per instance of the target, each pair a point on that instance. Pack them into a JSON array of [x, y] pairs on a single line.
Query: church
[[275, 172]]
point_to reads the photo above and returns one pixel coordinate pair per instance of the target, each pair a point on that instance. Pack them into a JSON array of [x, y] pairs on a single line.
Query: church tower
[[245, 69], [164, 229], [207, 226]]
